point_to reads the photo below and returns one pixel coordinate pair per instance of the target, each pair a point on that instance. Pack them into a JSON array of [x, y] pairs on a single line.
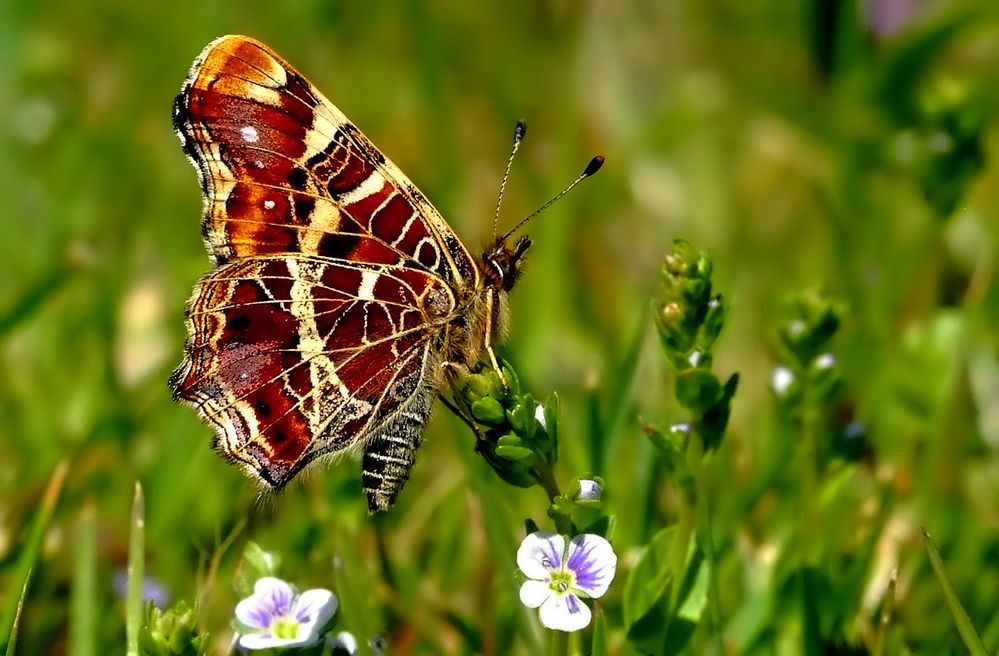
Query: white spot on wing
[[250, 134], [366, 291], [370, 185], [268, 204]]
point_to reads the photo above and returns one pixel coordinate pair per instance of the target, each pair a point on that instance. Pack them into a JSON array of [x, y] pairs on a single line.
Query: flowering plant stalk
[[518, 437], [689, 318]]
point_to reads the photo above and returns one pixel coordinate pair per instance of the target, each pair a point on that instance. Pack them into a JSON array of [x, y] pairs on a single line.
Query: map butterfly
[[340, 301]]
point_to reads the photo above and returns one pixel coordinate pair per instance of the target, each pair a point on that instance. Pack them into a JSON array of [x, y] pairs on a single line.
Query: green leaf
[[521, 417], [650, 625], [170, 633], [256, 564], [693, 602], [551, 428], [714, 321], [715, 420], [672, 447], [13, 598], [646, 592], [519, 454], [489, 411], [697, 389]]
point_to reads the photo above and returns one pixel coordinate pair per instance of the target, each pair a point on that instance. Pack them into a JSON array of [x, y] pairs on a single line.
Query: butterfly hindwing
[[292, 357]]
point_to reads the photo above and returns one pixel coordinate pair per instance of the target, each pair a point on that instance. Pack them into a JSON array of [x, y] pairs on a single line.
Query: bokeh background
[[844, 148]]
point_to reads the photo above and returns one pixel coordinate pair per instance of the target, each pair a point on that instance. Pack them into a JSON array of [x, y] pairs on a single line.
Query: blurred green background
[[844, 147]]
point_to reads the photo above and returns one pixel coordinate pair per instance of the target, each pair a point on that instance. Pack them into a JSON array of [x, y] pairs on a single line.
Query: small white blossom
[[276, 617], [588, 490], [539, 414], [825, 361], [558, 574], [781, 380]]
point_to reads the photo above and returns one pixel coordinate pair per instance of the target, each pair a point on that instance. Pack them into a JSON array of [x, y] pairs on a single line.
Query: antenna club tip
[[520, 131], [594, 165]]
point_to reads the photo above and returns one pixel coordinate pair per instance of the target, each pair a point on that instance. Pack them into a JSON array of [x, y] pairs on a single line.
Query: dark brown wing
[[292, 358]]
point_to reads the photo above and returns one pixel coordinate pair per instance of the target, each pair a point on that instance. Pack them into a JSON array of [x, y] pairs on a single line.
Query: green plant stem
[[136, 573], [707, 541], [558, 643], [809, 485], [686, 516], [809, 527], [546, 479], [83, 594]]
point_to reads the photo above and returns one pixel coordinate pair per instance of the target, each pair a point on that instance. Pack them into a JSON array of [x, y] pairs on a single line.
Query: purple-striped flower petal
[[275, 617], [315, 606], [593, 561], [539, 554], [566, 613]]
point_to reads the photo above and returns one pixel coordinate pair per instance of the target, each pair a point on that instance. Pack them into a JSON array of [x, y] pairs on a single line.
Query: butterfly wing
[[312, 335]]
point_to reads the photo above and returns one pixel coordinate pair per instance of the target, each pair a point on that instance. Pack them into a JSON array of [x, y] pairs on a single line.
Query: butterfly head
[[503, 262]]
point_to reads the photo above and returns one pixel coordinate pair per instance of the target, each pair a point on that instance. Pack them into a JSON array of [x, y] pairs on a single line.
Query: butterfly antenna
[[590, 169], [518, 136]]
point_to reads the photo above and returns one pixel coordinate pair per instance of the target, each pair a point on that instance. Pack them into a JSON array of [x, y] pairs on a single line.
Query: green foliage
[[654, 623], [172, 632], [819, 146]]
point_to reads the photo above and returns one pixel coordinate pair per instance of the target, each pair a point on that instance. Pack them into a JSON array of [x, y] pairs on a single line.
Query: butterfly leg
[[490, 314]]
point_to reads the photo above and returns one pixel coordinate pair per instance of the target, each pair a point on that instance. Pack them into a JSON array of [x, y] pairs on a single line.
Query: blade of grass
[[84, 602], [32, 299], [961, 619], [136, 561], [17, 616], [14, 600], [599, 643], [349, 575], [887, 610]]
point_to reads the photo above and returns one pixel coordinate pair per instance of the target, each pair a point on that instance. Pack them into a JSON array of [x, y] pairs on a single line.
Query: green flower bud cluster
[[582, 508], [811, 373], [171, 632], [516, 438], [689, 319]]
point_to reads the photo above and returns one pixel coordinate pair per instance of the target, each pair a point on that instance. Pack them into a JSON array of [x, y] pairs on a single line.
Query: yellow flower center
[[285, 628], [561, 581]]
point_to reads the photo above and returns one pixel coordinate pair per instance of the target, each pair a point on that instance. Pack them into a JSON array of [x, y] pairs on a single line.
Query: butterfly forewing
[[319, 330], [283, 170]]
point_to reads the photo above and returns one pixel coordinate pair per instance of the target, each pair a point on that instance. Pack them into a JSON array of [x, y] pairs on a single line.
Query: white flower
[[588, 490], [277, 617], [539, 414], [781, 380], [557, 574]]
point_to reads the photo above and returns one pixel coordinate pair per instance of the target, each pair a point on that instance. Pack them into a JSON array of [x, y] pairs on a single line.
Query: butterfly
[[340, 301]]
